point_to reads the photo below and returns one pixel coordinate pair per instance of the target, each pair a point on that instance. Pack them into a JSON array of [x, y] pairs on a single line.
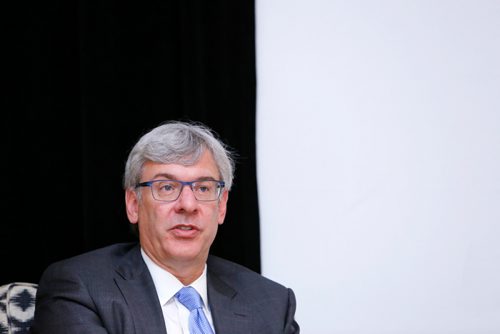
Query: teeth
[[185, 228]]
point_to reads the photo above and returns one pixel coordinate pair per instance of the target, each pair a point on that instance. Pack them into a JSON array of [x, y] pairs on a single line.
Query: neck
[[186, 275]]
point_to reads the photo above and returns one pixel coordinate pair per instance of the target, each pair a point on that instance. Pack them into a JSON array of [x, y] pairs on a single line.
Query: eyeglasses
[[170, 190]]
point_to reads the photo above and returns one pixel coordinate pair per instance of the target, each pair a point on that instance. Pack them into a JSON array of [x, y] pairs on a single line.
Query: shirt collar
[[167, 285]]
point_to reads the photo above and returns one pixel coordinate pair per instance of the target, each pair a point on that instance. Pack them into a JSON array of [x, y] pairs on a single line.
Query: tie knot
[[189, 297]]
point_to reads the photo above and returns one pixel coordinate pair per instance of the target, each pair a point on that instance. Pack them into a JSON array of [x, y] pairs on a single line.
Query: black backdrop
[[86, 80]]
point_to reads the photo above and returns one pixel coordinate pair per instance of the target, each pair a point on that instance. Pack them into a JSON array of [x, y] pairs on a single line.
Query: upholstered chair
[[17, 307]]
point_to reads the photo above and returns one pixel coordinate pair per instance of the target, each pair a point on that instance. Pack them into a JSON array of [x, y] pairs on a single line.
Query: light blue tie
[[198, 322]]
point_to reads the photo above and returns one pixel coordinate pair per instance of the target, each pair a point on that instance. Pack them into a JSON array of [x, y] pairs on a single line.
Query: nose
[[186, 201]]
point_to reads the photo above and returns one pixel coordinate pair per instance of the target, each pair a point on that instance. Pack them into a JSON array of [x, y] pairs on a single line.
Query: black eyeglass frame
[[220, 186]]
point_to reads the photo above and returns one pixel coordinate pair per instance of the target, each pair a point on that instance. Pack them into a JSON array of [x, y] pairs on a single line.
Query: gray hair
[[180, 143]]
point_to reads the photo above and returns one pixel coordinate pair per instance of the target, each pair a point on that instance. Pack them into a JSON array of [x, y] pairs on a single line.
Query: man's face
[[177, 233]]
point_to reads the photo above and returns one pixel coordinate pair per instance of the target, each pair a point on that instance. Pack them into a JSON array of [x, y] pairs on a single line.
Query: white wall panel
[[378, 135]]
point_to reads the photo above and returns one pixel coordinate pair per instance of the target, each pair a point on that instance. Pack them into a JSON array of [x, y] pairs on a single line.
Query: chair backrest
[[17, 307]]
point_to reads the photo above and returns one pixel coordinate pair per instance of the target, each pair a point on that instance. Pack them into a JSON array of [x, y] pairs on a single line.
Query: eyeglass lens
[[169, 190]]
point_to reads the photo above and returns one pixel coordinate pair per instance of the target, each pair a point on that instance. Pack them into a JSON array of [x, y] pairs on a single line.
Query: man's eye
[[203, 189], [166, 187]]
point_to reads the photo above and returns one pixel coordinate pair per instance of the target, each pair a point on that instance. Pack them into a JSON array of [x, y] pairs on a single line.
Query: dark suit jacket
[[110, 290]]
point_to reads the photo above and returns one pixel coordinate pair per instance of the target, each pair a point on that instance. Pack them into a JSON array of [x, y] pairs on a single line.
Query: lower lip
[[186, 234]]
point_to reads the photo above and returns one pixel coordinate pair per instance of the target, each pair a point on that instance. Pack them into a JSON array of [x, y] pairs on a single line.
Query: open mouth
[[185, 231]]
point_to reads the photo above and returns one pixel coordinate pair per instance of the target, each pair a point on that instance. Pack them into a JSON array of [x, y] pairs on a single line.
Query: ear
[[132, 206], [223, 206]]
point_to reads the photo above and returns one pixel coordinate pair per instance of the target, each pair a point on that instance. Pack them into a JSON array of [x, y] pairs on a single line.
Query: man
[[177, 181]]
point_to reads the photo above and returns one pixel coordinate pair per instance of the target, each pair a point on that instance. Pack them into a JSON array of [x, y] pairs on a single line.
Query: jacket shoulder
[[94, 260], [237, 274]]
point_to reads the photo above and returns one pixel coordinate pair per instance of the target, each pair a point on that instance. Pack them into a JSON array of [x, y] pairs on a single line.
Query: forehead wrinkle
[[167, 176], [163, 176]]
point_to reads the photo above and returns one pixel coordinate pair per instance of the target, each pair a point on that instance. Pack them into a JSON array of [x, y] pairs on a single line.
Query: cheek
[[216, 221], [148, 217], [210, 237]]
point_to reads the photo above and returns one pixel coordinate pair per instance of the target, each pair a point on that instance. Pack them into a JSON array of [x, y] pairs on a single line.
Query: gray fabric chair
[[17, 307]]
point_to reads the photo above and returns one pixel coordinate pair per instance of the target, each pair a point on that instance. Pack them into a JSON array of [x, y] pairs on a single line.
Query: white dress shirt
[[167, 285]]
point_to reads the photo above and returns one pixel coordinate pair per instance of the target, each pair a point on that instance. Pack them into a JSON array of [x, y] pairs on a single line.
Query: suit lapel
[[229, 313], [139, 291]]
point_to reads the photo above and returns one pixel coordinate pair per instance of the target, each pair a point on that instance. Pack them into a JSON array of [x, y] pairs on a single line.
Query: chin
[[186, 254]]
